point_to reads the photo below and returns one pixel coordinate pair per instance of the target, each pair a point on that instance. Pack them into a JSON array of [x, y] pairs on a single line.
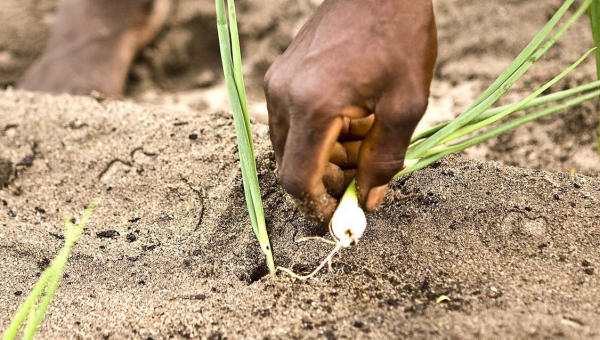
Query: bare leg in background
[[93, 44]]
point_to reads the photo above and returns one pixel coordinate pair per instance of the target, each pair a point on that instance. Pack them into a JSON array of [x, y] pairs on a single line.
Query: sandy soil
[[170, 253]]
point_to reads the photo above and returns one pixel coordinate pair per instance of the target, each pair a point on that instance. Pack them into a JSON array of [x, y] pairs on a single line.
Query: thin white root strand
[[316, 238], [347, 226], [306, 277]]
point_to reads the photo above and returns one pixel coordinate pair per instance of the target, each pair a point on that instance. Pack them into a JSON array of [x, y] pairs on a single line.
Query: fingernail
[[375, 197]]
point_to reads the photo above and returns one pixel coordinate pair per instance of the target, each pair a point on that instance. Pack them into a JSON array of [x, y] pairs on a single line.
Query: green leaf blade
[[534, 103], [510, 77], [515, 107], [232, 68], [594, 12], [49, 281]]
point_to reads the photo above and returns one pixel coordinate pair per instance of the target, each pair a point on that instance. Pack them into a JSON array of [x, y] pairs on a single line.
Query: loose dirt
[[170, 251]]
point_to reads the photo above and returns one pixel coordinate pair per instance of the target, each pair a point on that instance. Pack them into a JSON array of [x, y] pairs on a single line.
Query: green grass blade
[[49, 280], [57, 268], [534, 103], [580, 11], [420, 149], [237, 110], [241, 89], [525, 54], [441, 153], [417, 151], [237, 67], [595, 26], [236, 54], [242, 126], [38, 316], [515, 123], [474, 127], [17, 321]]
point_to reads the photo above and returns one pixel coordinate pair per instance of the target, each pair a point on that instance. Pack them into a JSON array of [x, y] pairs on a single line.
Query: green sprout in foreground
[[46, 286], [232, 66]]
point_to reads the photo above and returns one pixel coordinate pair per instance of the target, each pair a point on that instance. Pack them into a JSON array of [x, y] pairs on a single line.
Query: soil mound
[[170, 251]]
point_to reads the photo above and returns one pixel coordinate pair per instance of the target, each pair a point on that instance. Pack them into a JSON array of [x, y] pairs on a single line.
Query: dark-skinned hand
[[346, 96]]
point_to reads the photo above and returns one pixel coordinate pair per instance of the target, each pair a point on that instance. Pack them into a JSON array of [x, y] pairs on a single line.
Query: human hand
[[346, 96]]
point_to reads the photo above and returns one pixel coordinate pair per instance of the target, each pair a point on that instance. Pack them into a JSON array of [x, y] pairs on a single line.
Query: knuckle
[[273, 84], [408, 114], [267, 82], [312, 96], [273, 92], [146, 6], [270, 71], [300, 95], [416, 108], [309, 99]]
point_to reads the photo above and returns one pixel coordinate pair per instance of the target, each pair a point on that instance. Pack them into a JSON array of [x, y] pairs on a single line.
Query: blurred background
[[181, 66]]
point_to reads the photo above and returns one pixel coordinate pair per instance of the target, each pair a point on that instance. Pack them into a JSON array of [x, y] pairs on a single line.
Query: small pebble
[[494, 293]]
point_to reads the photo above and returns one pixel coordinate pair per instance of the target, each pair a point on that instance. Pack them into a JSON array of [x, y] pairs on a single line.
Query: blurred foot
[[93, 44]]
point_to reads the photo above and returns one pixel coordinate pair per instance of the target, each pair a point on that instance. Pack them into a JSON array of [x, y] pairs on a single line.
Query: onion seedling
[[534, 103], [46, 286], [349, 224], [232, 67]]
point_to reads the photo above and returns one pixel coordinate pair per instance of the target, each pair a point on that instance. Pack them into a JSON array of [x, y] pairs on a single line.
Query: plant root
[[316, 238], [327, 260]]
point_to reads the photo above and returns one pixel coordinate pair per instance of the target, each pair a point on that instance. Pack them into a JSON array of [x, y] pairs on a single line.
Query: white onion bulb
[[349, 222]]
